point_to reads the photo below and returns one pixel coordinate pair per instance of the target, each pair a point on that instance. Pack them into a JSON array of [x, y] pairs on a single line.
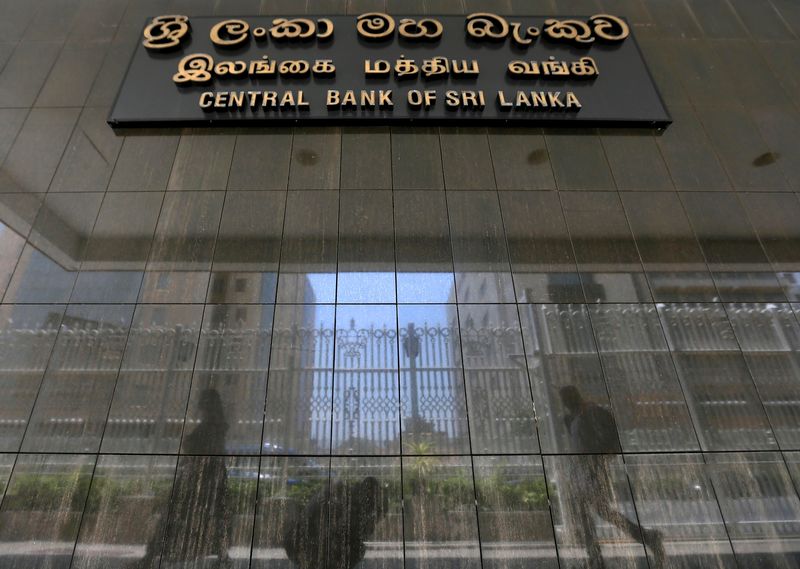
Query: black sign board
[[378, 68]]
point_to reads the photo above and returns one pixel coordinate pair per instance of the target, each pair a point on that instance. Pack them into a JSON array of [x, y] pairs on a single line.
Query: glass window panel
[[300, 388], [775, 219], [466, 159], [366, 399], [316, 155], [292, 521], [671, 255], [366, 158], [416, 157], [150, 397], [125, 488], [440, 521], [6, 465], [514, 513], [202, 161], [737, 262], [542, 261], [674, 498], [145, 160], [519, 155], [480, 255], [501, 412], [607, 258], [719, 390], [578, 146], [116, 255], [41, 511], [572, 405], [49, 264], [760, 507], [433, 401], [594, 515], [365, 514], [422, 248], [366, 247], [769, 336], [180, 258], [212, 511], [648, 402], [27, 335], [72, 405], [235, 337], [248, 247], [308, 249], [249, 169]]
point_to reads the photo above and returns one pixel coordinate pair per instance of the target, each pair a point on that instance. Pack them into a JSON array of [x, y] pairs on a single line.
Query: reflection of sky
[[379, 287]]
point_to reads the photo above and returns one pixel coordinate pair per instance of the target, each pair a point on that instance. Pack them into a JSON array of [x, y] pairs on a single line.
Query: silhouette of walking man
[[353, 508], [593, 429]]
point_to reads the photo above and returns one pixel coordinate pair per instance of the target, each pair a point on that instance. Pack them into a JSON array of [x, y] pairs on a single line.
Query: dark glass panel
[[116, 255], [180, 258], [27, 334], [776, 220], [72, 404], [648, 402], [316, 158], [366, 514], [719, 390], [41, 511], [72, 75], [441, 525], [125, 488], [480, 254], [422, 248], [292, 517], [542, 261], [466, 159], [635, 159], [769, 336], [675, 499], [760, 507], [247, 249], [49, 264], [202, 161], [366, 398], [211, 512], [514, 513], [578, 147], [501, 412], [366, 247], [300, 388], [671, 255], [150, 397], [572, 406], [433, 403], [738, 264], [366, 158], [90, 155], [261, 158], [308, 250], [607, 258], [145, 161], [26, 71], [416, 159], [594, 515], [520, 158]]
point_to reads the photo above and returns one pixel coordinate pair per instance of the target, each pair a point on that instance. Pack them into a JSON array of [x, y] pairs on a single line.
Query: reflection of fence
[[381, 374]]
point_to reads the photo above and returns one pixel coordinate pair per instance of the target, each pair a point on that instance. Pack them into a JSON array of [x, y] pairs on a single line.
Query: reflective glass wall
[[396, 347]]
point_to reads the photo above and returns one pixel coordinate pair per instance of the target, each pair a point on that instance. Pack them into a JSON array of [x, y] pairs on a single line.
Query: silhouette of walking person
[[198, 531], [593, 429], [354, 510]]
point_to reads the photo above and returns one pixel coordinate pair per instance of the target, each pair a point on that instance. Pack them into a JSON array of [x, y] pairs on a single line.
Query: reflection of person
[[200, 519], [354, 510], [593, 429]]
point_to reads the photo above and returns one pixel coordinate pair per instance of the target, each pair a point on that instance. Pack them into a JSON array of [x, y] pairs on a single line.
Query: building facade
[[408, 346]]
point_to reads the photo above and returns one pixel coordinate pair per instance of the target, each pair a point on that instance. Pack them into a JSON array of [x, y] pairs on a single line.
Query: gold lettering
[[332, 99], [452, 100], [349, 99], [287, 100], [165, 32], [572, 101], [194, 68], [301, 101], [269, 99], [385, 99], [379, 68], [538, 99], [426, 29], [502, 103], [206, 100], [230, 33], [375, 25]]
